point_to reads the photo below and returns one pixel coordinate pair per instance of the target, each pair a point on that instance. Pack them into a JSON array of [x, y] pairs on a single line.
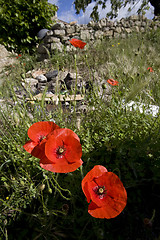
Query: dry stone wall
[[58, 37]]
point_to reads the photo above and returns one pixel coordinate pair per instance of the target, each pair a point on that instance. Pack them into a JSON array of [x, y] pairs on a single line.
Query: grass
[[36, 204]]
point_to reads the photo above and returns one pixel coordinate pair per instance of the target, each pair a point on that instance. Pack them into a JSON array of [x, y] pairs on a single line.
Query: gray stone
[[128, 30], [143, 24], [103, 22], [138, 23], [118, 30], [99, 34], [41, 87], [108, 33], [91, 24], [123, 35], [49, 33], [142, 29], [51, 75], [65, 40], [135, 29], [70, 81], [109, 24], [59, 26], [30, 84], [85, 34], [30, 81], [41, 78], [58, 33], [134, 17], [42, 49], [70, 29], [50, 39], [42, 33], [57, 46], [77, 28]]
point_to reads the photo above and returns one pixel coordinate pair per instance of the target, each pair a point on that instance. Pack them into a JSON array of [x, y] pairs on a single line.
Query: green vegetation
[[21, 21], [36, 204], [116, 5]]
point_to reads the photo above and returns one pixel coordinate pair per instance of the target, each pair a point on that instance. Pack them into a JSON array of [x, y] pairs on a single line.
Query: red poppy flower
[[37, 133], [112, 82], [150, 69], [105, 191], [63, 152], [77, 43], [19, 55]]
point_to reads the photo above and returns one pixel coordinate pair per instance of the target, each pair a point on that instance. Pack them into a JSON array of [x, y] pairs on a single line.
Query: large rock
[[58, 33], [70, 29], [51, 75]]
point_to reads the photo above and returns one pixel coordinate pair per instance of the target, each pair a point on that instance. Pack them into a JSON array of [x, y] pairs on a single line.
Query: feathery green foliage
[[21, 21]]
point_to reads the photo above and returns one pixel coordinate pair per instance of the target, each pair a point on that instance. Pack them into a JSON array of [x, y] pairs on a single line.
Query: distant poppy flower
[[77, 43], [37, 133], [150, 69], [105, 192], [112, 82], [63, 152], [19, 55]]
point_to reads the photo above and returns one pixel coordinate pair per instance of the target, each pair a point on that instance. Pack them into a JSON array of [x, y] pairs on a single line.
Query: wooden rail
[[56, 98]]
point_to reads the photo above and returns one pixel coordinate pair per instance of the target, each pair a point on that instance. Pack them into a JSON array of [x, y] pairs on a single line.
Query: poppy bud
[[65, 208], [41, 187], [50, 190], [147, 222]]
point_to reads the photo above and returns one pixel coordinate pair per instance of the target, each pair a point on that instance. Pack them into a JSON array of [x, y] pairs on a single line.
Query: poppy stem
[[153, 215], [59, 188], [81, 169], [75, 92]]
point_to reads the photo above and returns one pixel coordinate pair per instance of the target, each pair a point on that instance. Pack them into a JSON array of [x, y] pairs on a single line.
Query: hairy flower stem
[[75, 92], [81, 169], [59, 188]]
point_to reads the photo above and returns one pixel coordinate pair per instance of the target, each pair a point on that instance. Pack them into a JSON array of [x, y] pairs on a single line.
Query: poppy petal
[[41, 129], [63, 138], [77, 43], [86, 192], [62, 167], [97, 171], [106, 192], [29, 146], [150, 69], [112, 82], [39, 150], [103, 212], [115, 192], [64, 132]]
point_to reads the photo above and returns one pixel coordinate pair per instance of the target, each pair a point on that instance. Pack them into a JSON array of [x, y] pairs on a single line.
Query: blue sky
[[66, 11]]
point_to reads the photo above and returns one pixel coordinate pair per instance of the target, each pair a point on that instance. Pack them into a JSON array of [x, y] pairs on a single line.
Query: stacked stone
[[57, 39]]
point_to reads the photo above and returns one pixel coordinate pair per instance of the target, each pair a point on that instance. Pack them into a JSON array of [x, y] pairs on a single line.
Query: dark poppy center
[[41, 138], [100, 191], [60, 151]]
